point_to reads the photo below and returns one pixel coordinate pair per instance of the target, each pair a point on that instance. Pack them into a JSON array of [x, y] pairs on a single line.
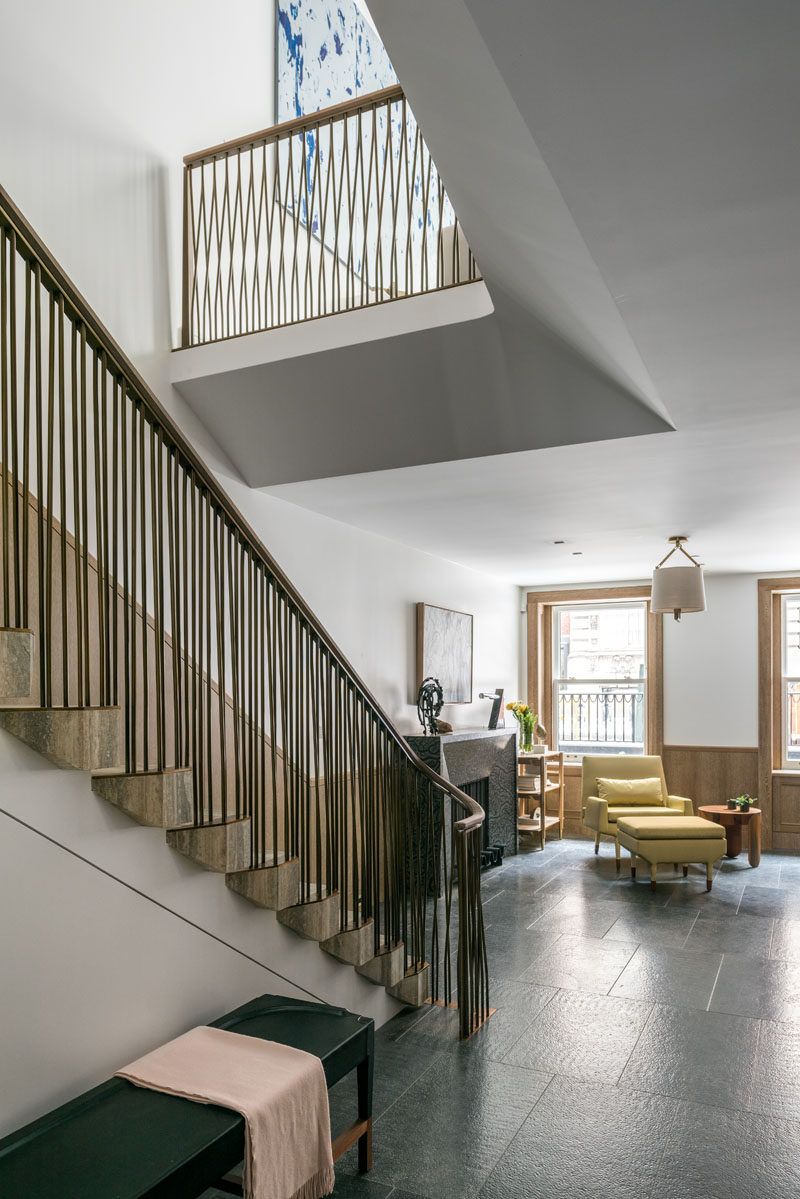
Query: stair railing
[[148, 590], [337, 210]]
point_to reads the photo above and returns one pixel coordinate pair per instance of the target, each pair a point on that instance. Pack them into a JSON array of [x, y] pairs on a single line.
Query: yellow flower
[[509, 707]]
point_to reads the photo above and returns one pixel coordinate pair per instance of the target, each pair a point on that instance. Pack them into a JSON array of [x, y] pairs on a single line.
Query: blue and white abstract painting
[[328, 52]]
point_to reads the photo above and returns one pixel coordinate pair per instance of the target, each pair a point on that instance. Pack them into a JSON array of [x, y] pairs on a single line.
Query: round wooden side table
[[734, 822]]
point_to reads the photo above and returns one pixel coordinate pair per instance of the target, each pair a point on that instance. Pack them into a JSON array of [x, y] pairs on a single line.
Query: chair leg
[[652, 876], [542, 826], [708, 876], [597, 843], [633, 865], [685, 871], [616, 847], [676, 867]]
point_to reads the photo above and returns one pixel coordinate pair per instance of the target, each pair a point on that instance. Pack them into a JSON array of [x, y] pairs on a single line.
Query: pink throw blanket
[[279, 1090]]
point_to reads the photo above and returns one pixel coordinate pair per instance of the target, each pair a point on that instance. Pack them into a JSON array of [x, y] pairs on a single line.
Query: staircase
[[148, 637]]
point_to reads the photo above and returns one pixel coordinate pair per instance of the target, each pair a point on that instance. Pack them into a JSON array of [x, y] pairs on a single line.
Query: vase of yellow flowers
[[526, 720]]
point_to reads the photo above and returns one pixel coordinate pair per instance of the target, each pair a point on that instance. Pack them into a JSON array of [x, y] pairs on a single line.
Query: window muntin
[[790, 680], [600, 678]]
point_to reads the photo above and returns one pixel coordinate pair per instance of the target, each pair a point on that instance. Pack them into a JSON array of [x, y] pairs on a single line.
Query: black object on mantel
[[468, 757], [497, 708], [430, 701]]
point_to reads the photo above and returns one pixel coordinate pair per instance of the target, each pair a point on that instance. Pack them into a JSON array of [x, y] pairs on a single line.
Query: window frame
[[786, 763], [556, 680], [540, 654]]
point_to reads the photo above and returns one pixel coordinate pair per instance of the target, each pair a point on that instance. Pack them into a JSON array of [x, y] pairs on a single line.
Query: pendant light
[[678, 589]]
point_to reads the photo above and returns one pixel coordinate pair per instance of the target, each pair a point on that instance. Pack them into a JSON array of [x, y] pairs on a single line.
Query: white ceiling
[[670, 132]]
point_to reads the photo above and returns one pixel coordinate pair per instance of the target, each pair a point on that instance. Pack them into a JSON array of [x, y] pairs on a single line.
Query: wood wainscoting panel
[[711, 774], [786, 810], [573, 822]]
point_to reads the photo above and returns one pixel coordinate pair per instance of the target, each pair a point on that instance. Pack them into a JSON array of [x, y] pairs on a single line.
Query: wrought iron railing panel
[[148, 590], [603, 716], [339, 210]]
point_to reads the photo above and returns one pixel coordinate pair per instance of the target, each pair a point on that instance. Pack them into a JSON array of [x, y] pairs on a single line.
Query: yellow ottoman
[[680, 840]]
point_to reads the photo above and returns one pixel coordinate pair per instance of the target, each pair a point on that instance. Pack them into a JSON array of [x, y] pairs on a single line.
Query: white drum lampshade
[[678, 589]]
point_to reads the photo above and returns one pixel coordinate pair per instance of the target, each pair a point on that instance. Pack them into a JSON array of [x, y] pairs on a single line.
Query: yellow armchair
[[600, 815]]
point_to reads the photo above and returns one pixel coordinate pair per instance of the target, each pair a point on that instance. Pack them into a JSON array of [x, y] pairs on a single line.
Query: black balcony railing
[[600, 718]]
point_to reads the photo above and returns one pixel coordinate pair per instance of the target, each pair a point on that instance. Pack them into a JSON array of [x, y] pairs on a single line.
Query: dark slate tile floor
[[645, 1045]]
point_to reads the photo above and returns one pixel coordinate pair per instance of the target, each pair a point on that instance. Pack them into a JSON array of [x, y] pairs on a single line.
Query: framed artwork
[[444, 650]]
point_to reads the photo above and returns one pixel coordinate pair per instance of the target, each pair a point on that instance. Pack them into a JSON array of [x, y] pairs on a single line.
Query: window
[[599, 678], [790, 681]]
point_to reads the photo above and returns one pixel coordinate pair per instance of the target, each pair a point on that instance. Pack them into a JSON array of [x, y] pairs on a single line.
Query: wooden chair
[[540, 776]]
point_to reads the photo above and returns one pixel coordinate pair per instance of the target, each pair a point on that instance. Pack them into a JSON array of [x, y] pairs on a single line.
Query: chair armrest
[[680, 804], [595, 812]]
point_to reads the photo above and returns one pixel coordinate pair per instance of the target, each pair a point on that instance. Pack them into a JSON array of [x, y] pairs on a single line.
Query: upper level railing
[[337, 210], [147, 589]]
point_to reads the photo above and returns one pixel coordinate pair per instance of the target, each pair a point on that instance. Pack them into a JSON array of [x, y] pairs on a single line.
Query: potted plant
[[741, 803], [526, 720]]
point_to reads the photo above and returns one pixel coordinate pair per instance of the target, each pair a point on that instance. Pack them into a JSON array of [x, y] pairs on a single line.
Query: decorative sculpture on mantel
[[430, 701], [496, 713]]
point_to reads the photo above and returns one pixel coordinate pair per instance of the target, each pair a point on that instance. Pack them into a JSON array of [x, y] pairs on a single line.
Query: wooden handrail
[[98, 337], [275, 133]]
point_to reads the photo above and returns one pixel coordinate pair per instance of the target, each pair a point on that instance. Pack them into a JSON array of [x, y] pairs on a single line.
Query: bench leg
[[633, 863], [616, 846], [364, 1075], [652, 876], [708, 875], [597, 843], [685, 871]]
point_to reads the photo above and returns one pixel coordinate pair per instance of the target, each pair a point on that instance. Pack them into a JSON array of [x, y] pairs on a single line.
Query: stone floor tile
[[785, 940], [587, 1037], [750, 935], [776, 1085], [700, 1056], [782, 903], [672, 976], [666, 926], [580, 964], [729, 1155], [469, 1112], [579, 917], [759, 987], [584, 1141]]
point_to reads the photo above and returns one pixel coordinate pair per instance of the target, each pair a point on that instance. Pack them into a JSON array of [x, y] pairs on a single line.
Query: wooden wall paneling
[[786, 810], [711, 774]]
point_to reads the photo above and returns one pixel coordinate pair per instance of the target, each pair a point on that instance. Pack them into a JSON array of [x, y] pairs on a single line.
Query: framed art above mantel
[[444, 651]]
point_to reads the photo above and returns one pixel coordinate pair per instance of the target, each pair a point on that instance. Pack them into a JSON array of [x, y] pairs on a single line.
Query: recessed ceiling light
[[558, 543], [577, 553]]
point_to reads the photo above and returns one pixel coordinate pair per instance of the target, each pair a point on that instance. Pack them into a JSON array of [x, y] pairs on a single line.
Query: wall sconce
[[678, 589]]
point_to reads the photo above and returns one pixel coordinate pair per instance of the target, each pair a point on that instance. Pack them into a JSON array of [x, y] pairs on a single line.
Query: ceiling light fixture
[[678, 589]]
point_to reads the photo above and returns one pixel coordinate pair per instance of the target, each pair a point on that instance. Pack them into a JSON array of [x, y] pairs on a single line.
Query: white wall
[[98, 104], [112, 943], [711, 667]]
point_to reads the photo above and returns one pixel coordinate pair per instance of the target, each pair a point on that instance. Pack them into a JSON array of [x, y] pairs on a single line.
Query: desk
[[733, 822], [540, 776]]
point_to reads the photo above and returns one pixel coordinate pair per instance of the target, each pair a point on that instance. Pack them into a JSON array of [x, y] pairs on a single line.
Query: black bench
[[119, 1141]]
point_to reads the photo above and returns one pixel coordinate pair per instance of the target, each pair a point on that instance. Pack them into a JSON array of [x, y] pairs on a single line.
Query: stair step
[[386, 969], [81, 738], [355, 945], [223, 848], [271, 886], [317, 920], [413, 988], [16, 663], [161, 799]]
